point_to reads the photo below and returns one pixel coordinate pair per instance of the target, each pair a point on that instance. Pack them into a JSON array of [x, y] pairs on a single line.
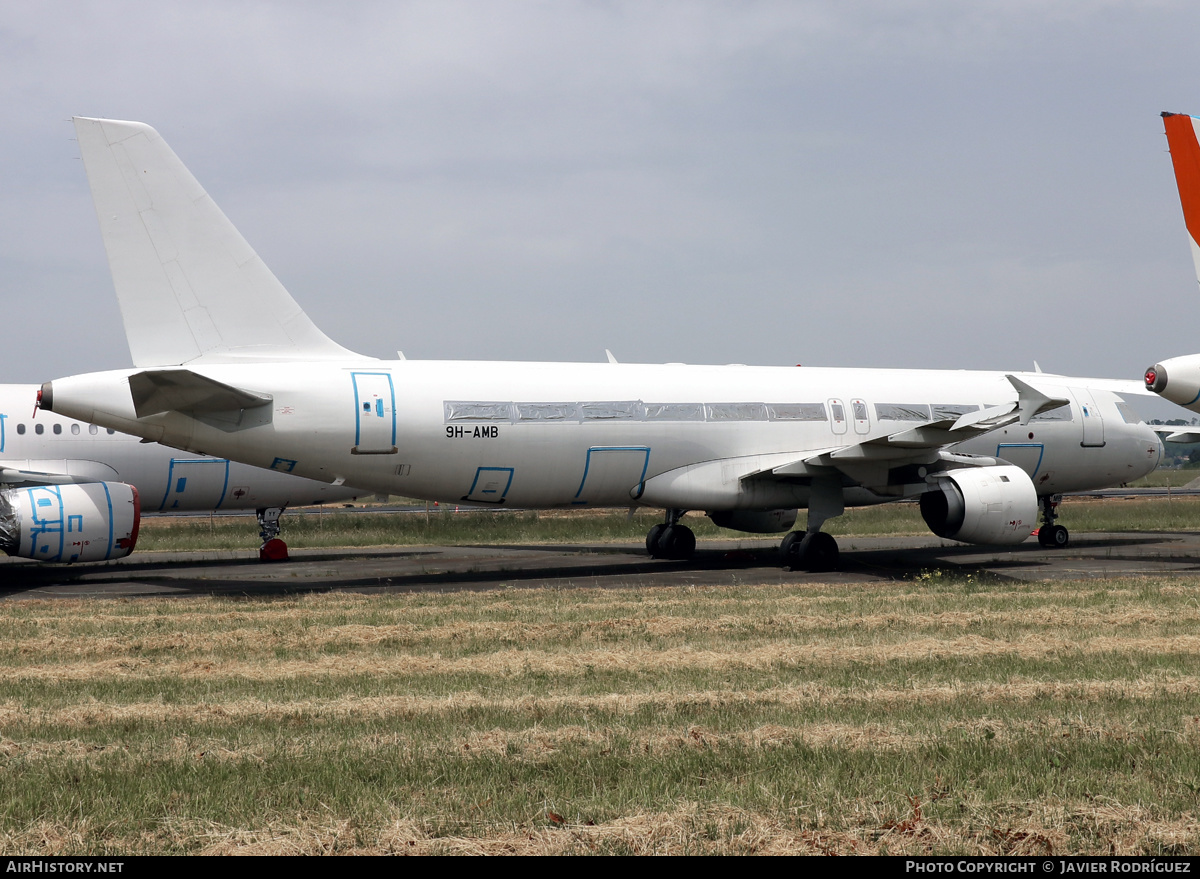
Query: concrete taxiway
[[867, 560]]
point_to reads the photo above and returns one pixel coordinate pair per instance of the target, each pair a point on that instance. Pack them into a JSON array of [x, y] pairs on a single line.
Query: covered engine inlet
[[91, 522]]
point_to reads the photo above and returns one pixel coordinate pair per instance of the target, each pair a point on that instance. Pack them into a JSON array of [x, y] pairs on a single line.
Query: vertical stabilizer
[[190, 288], [1185, 156]]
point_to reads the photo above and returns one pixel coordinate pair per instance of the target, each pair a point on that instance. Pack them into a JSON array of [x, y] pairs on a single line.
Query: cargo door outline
[[374, 413], [1093, 421], [609, 470], [1023, 455], [485, 487], [200, 483]]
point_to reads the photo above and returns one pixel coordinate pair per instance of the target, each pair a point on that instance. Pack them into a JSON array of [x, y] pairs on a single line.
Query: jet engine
[[982, 505], [754, 521], [1177, 379], [89, 522]]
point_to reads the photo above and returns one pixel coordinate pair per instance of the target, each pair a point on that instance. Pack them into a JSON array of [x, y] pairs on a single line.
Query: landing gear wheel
[[677, 542], [789, 550], [653, 540], [816, 552], [274, 550], [1053, 536]]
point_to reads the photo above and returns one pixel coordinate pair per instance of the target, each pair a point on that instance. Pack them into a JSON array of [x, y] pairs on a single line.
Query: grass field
[[934, 715], [334, 527], [943, 714]]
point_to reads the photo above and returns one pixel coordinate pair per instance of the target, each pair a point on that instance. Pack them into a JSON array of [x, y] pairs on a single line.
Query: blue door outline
[[179, 470], [493, 495], [1041, 450], [587, 467], [374, 429]]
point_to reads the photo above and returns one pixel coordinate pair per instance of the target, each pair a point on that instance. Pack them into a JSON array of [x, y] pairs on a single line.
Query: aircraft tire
[[816, 552], [677, 542], [789, 550], [819, 552], [654, 541], [1053, 536], [274, 550]]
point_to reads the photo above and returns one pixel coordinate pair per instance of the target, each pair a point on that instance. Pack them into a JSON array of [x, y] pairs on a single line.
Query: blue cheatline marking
[[108, 498], [1193, 400], [2, 417], [588, 463], [1039, 446], [74, 523], [479, 471], [43, 527], [361, 406]]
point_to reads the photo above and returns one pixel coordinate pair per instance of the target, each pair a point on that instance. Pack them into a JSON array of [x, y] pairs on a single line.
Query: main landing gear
[[1050, 535], [670, 540], [813, 551], [273, 549]]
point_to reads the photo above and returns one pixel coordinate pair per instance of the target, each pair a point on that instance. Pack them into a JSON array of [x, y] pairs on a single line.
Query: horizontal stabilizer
[[189, 286], [181, 390]]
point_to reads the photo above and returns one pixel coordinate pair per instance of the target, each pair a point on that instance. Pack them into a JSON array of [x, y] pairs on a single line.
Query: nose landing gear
[[1050, 535], [273, 549], [670, 540]]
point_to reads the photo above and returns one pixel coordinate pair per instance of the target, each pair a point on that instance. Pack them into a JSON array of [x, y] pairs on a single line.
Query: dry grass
[[935, 716]]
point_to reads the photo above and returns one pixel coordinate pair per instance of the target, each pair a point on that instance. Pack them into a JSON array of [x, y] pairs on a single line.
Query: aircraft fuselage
[[579, 434]]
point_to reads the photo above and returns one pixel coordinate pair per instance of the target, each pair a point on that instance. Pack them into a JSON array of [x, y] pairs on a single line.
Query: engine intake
[[996, 505], [90, 522]]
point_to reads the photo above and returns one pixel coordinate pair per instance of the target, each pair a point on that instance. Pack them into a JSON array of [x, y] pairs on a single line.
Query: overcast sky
[[910, 184]]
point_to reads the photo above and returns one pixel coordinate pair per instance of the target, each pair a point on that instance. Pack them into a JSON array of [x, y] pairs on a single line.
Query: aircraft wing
[[868, 462], [1171, 435]]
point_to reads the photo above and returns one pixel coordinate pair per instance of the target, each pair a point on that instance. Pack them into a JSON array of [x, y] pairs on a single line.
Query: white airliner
[[1178, 379], [228, 364], [72, 491]]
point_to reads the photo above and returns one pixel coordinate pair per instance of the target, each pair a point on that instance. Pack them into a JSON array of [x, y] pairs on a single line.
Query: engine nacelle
[[754, 521], [90, 522], [982, 505], [1178, 380]]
